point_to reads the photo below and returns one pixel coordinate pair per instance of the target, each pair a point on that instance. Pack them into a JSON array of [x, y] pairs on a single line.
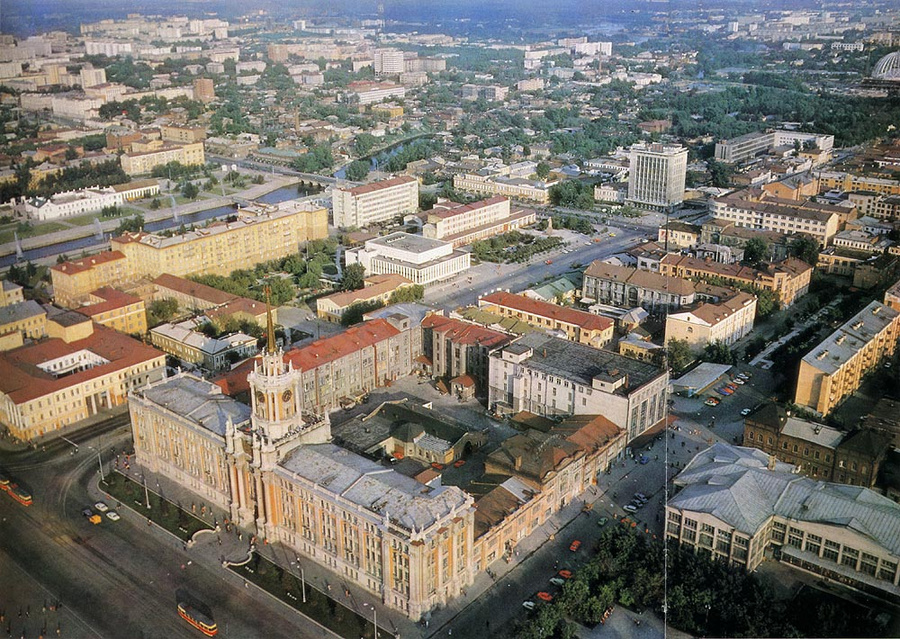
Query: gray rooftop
[[407, 242], [375, 488], [20, 311], [734, 485], [839, 347], [581, 363], [813, 432], [198, 401]]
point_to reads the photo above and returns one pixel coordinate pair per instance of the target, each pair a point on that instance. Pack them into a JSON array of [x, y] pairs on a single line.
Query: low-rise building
[[578, 326], [84, 201], [512, 187], [459, 352], [788, 279], [463, 224], [741, 506], [376, 289], [185, 341], [841, 181], [10, 293], [419, 259], [138, 162], [835, 368], [367, 92], [116, 310], [626, 287], [747, 146], [548, 375], [678, 235], [27, 318], [81, 369], [817, 450], [726, 321]]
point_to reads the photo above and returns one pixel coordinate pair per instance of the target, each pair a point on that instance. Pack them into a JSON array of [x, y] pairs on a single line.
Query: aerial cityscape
[[500, 319]]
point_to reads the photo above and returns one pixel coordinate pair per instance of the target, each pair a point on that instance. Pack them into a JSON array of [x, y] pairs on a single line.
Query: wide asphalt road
[[115, 579]]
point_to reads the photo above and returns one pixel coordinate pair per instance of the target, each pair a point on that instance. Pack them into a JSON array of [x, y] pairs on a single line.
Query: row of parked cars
[[729, 389], [95, 517], [637, 502]]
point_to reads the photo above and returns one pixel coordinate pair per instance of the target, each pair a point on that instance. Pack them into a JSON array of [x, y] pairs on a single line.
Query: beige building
[[185, 341], [726, 321], [258, 235], [80, 370], [835, 368], [512, 187], [138, 162], [378, 288], [678, 235], [374, 203], [27, 318], [760, 211], [10, 293], [656, 175], [839, 181], [73, 281], [550, 376], [183, 134], [116, 310], [789, 279], [462, 224], [578, 326], [741, 506], [204, 90], [626, 287]]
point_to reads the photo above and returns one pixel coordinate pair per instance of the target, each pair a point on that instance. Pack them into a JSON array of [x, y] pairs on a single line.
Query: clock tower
[[277, 425]]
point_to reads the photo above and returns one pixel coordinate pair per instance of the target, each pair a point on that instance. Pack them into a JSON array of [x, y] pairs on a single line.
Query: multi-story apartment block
[[578, 326], [726, 321], [376, 202], [419, 259], [678, 235], [892, 297], [552, 376], [367, 92], [847, 182], [511, 187], [750, 145], [785, 516], [82, 368], [463, 224], [27, 318], [376, 289], [459, 351], [204, 90], [626, 287], [408, 544], [490, 93], [835, 368], [73, 281], [389, 61], [182, 134], [85, 201], [259, 234], [656, 175], [754, 209], [871, 203], [817, 450], [116, 310], [138, 162], [789, 279]]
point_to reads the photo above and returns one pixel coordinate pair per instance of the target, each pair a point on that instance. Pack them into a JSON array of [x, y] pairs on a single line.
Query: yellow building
[[831, 181], [579, 326], [10, 293], [183, 134], [260, 233], [727, 322], [378, 288], [835, 368], [159, 154], [27, 318], [73, 281], [116, 310], [81, 369], [512, 187]]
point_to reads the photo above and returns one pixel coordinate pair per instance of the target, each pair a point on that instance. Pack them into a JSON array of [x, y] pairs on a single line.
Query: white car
[[631, 508], [101, 506], [745, 412], [528, 605], [113, 515]]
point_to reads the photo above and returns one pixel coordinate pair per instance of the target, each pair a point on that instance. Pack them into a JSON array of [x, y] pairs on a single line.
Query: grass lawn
[[319, 607], [162, 512], [8, 234]]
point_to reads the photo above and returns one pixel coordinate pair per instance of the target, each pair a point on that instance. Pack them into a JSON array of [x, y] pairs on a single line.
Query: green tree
[[719, 173], [756, 250], [357, 170], [679, 353], [130, 224], [190, 190], [155, 204], [354, 277], [281, 290], [542, 170], [719, 352], [413, 293], [160, 311], [806, 249], [426, 200]]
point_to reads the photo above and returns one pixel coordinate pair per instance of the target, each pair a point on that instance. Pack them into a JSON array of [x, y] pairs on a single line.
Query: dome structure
[[888, 68]]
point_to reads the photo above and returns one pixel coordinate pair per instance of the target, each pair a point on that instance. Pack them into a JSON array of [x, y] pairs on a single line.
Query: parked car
[[528, 605], [644, 459], [602, 522], [565, 574], [557, 581], [545, 596], [575, 545], [113, 515], [712, 401], [631, 508], [101, 506], [745, 412], [738, 381]]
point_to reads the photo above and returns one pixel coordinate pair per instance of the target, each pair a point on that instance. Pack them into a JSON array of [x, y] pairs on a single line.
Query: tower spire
[[270, 325]]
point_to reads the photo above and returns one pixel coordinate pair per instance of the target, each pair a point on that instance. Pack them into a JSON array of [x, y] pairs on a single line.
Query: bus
[[20, 494], [199, 620]]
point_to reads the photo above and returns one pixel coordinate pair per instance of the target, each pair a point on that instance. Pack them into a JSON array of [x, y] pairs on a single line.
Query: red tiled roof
[[383, 184], [587, 321], [87, 263], [460, 332], [21, 380], [193, 289], [318, 353], [112, 299], [239, 305], [446, 210]]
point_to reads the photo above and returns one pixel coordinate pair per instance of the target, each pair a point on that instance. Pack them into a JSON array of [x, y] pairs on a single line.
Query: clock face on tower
[[286, 396]]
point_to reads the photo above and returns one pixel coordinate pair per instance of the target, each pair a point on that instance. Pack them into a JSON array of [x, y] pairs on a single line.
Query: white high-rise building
[[656, 175], [375, 202], [389, 61]]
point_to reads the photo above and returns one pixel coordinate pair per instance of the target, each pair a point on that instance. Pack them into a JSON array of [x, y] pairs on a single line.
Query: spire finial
[[270, 325]]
